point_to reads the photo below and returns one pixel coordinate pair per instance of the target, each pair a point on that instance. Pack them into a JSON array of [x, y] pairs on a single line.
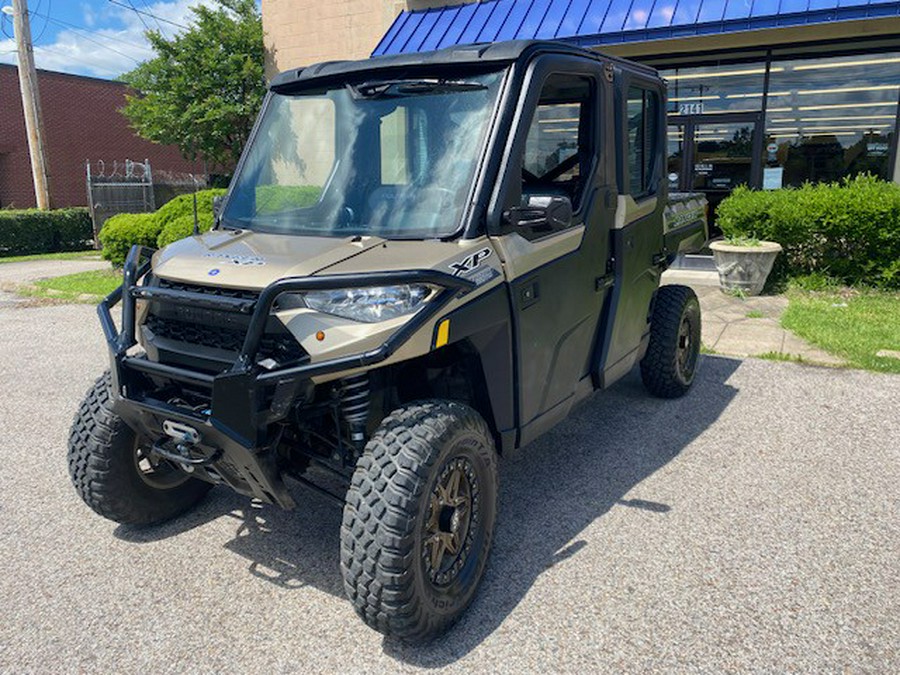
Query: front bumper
[[238, 429]]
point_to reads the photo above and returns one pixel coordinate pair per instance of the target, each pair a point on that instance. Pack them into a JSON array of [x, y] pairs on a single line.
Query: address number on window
[[690, 108]]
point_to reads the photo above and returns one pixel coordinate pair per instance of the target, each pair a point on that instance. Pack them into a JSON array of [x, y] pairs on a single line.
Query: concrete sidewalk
[[748, 326]]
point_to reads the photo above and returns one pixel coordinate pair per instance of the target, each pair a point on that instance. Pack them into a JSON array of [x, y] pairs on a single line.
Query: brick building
[[81, 121]]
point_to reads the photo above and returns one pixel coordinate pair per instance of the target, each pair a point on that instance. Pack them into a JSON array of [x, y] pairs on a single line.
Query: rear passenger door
[[637, 234]]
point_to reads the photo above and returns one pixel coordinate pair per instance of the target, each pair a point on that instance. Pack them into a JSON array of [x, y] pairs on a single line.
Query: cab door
[[557, 269]]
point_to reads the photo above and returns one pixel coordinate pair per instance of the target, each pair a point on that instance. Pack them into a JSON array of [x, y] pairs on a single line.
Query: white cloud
[[88, 15], [110, 51]]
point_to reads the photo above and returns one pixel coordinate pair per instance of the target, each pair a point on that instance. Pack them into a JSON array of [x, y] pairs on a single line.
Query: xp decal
[[470, 262]]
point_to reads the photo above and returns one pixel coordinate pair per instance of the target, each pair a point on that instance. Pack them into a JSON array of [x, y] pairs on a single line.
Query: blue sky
[[101, 38]]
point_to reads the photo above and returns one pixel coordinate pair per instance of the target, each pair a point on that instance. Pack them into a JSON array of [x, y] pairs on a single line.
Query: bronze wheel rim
[[687, 354], [451, 525], [156, 472]]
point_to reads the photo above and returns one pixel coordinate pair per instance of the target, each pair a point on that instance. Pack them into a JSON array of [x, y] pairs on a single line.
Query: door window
[[643, 137], [558, 150]]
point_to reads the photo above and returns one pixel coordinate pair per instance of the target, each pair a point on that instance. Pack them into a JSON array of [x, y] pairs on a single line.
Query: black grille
[[209, 290], [281, 346], [219, 329]]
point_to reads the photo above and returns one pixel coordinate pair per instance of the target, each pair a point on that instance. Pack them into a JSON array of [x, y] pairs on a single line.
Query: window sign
[[773, 177]]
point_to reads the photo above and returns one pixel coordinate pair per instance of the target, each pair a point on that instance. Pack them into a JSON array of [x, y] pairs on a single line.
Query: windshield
[[392, 158]]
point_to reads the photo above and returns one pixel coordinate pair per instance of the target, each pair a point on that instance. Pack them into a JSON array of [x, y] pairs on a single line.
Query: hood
[[245, 259]]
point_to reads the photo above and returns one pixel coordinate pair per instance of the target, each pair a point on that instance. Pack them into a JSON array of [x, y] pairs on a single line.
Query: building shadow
[[549, 493]]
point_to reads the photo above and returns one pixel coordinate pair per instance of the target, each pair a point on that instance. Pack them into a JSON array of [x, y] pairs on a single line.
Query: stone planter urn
[[744, 268]]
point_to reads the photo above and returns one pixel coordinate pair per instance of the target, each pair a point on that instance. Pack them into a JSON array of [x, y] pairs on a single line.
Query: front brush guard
[[236, 425]]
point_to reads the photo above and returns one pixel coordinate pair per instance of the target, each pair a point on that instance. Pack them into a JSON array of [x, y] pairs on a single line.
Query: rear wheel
[[114, 471], [419, 519], [670, 363]]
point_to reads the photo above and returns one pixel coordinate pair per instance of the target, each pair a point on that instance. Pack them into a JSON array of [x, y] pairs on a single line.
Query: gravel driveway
[[751, 526]]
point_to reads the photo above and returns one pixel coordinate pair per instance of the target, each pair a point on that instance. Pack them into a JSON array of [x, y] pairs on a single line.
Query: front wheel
[[670, 363], [419, 519], [114, 471]]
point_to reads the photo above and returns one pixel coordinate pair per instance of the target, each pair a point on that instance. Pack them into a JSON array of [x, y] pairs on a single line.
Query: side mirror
[[541, 213], [217, 205]]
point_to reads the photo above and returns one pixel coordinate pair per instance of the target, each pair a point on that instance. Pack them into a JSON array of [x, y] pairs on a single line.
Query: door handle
[[529, 294]]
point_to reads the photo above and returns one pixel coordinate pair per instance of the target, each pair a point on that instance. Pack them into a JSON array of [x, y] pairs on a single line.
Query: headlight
[[369, 305]]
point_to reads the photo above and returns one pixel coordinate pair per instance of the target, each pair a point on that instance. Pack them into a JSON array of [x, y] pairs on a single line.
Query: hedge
[[33, 231], [183, 226], [183, 205], [849, 231], [123, 231]]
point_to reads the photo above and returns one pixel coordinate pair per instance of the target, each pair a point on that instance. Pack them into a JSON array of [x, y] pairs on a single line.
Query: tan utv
[[423, 262]]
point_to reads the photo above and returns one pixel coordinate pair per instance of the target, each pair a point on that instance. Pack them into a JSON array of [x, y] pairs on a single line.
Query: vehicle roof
[[486, 53]]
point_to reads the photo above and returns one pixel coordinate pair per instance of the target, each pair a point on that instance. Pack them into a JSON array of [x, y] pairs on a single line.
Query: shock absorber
[[354, 393]]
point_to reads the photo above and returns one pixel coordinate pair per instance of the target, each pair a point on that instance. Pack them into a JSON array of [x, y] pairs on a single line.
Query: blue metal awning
[[590, 23]]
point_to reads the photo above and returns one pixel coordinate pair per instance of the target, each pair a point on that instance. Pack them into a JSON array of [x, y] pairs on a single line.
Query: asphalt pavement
[[753, 525]]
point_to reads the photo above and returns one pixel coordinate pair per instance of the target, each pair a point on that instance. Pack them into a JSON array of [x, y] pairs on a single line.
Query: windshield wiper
[[385, 88]]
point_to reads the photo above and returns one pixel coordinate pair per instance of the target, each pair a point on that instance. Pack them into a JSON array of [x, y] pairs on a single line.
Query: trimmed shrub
[[848, 231], [183, 226], [32, 231], [178, 215], [123, 231], [183, 205]]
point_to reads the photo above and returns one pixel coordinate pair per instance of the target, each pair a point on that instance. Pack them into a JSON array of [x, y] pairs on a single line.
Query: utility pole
[[31, 103]]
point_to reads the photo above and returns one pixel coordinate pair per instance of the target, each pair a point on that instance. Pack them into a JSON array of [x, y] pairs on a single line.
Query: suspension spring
[[354, 394]]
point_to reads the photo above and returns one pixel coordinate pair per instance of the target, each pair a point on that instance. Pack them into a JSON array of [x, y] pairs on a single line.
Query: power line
[[158, 18], [46, 19], [86, 36], [158, 24], [138, 14], [84, 30]]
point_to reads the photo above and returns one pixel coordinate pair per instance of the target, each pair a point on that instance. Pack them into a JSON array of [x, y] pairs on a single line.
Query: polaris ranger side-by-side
[[422, 262]]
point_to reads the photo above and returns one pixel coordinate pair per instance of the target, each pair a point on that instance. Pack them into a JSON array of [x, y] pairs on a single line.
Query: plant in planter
[[744, 263]]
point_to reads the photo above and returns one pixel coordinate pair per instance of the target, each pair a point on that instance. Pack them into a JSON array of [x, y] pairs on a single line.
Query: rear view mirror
[[541, 213], [217, 205]]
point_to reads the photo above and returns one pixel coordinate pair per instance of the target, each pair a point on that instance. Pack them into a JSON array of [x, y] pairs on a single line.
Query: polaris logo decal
[[251, 260], [470, 262]]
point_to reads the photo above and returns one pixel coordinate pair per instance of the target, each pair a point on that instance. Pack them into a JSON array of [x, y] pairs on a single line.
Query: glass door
[[722, 155], [714, 154]]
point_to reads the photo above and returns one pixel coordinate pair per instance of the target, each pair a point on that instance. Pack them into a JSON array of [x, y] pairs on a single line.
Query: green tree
[[203, 89]]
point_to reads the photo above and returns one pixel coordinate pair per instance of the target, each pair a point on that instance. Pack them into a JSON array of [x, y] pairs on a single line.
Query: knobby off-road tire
[[670, 363], [112, 470], [425, 485]]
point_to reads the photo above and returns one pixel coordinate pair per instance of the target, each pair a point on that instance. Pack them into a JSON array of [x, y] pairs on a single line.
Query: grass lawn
[[852, 324], [87, 287], [71, 255]]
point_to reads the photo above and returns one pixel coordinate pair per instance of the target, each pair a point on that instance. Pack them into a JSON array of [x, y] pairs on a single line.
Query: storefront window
[[830, 118], [715, 89]]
